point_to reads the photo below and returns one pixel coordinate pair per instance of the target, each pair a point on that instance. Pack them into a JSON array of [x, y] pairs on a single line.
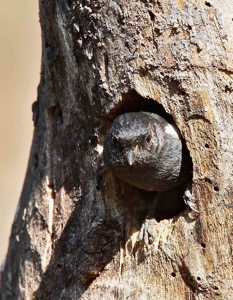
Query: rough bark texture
[[76, 227]]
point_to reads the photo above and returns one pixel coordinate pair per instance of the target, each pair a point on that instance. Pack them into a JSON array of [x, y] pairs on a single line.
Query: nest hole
[[166, 209]]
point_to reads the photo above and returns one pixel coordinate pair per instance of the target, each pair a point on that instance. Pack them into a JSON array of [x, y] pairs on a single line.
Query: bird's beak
[[130, 157]]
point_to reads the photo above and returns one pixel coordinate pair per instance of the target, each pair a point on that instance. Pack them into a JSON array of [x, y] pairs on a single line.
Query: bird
[[146, 151]]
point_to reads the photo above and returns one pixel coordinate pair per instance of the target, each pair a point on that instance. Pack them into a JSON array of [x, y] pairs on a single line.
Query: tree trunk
[[75, 233]]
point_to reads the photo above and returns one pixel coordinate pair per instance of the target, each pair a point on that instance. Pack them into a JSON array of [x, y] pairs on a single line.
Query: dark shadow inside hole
[[171, 202], [207, 3], [173, 274], [133, 102]]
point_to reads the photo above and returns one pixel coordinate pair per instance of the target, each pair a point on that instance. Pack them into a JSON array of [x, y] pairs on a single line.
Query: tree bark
[[75, 233]]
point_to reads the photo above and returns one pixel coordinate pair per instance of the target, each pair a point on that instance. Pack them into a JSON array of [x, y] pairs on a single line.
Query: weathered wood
[[75, 232]]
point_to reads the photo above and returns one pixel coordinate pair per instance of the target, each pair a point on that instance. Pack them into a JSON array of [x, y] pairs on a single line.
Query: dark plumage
[[144, 150]]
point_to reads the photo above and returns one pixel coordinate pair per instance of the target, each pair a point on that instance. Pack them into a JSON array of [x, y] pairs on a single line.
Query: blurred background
[[20, 54]]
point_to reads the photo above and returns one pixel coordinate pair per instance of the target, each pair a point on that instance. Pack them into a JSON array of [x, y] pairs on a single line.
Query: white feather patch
[[170, 130], [99, 149]]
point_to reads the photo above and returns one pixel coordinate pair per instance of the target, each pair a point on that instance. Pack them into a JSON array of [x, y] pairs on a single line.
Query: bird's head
[[129, 139]]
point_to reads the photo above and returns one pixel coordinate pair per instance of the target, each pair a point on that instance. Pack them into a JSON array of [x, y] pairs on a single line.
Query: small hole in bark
[[215, 288], [51, 186], [173, 274], [152, 16], [127, 45], [50, 54], [148, 139], [53, 194], [207, 3], [59, 266], [183, 92], [216, 189], [228, 89], [35, 160], [55, 113], [60, 117], [106, 63], [207, 146], [208, 180], [198, 278], [203, 245], [189, 27]]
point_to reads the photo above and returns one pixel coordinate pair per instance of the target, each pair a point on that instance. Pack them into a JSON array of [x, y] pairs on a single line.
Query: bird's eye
[[148, 138]]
